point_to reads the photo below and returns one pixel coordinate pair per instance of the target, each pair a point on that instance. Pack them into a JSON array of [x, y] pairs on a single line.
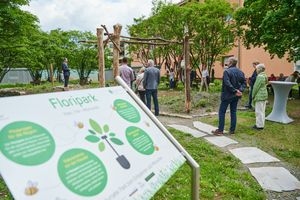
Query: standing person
[[234, 83], [292, 78], [137, 72], [126, 72], [66, 70], [171, 79], [150, 83], [272, 78], [281, 77], [139, 83], [251, 83], [259, 96], [192, 77], [298, 81], [205, 74], [62, 77]]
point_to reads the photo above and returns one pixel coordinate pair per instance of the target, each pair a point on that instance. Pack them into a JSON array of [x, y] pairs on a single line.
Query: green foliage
[[217, 82], [273, 25], [208, 110], [203, 102], [212, 75]]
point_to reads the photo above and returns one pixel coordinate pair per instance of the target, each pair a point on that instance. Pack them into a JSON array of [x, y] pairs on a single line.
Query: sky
[[87, 15]]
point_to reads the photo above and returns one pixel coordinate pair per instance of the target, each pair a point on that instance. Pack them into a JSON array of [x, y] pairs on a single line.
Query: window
[[225, 62], [121, 44], [122, 53], [298, 68], [137, 55], [229, 17], [228, 39], [112, 54], [111, 45]]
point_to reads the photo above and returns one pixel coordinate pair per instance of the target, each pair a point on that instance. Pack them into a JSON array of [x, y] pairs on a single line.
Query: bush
[[217, 82], [208, 110], [203, 102], [163, 79]]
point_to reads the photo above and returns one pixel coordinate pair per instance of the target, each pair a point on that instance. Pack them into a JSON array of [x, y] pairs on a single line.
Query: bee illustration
[[31, 190], [155, 147], [114, 108], [147, 124], [78, 124]]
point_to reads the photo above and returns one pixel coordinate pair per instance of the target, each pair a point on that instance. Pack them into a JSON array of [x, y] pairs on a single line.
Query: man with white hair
[[150, 83], [234, 83]]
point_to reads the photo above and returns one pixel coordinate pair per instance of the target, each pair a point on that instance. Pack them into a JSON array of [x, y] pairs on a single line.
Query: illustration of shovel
[[121, 159]]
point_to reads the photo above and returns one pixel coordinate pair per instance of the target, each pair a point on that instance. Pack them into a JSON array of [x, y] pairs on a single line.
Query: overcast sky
[[87, 14]]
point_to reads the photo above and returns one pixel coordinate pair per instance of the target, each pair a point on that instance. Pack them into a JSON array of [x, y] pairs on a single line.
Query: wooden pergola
[[115, 39]]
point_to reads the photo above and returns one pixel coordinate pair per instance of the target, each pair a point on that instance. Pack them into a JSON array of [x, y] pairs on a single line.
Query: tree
[[108, 60], [18, 29], [273, 25]]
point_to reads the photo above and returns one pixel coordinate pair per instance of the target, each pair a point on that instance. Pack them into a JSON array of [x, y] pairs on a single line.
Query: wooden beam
[[148, 39], [149, 43], [101, 57], [187, 74], [86, 41], [116, 49], [109, 36], [51, 72]]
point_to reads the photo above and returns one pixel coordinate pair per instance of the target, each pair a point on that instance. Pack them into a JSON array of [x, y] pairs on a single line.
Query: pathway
[[270, 173]]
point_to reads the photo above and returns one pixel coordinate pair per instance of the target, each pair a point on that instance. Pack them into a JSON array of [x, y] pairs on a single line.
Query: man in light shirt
[[204, 78], [126, 72]]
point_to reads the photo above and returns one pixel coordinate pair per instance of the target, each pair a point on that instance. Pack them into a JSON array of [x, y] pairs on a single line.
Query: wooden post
[[117, 33], [101, 57], [187, 74], [51, 71]]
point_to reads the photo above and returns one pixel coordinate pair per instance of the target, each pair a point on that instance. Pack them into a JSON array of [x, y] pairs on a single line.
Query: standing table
[[281, 91]]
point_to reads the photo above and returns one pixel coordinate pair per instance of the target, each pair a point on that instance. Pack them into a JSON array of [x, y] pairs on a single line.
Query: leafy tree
[[273, 25], [108, 60]]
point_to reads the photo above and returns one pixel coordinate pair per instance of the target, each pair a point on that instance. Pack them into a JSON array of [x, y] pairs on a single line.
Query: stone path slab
[[205, 127], [252, 155], [275, 178], [221, 141], [186, 129]]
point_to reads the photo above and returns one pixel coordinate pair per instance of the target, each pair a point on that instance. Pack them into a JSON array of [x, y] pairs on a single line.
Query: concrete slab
[[221, 141], [297, 198], [205, 127], [186, 129], [252, 155], [275, 178]]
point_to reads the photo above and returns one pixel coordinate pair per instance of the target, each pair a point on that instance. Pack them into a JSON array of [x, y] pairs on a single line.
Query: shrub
[[163, 79], [208, 110], [203, 102], [217, 82]]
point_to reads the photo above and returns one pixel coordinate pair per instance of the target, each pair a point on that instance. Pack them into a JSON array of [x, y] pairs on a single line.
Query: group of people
[[147, 82]]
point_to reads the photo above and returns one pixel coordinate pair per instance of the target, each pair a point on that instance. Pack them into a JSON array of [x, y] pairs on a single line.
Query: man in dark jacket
[[252, 80], [66, 70], [234, 83]]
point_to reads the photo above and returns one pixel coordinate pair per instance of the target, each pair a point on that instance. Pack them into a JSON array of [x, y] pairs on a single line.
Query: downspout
[[239, 43]]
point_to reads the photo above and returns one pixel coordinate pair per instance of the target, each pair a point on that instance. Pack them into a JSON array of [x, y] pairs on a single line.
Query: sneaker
[[217, 132], [257, 128], [248, 106], [292, 98]]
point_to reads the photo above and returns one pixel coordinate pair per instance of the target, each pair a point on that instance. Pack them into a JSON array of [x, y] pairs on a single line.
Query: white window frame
[[225, 59]]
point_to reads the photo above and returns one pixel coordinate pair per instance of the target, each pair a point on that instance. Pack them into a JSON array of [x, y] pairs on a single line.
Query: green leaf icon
[[116, 141], [105, 128], [110, 91], [92, 138], [101, 146], [95, 126], [112, 134], [92, 132]]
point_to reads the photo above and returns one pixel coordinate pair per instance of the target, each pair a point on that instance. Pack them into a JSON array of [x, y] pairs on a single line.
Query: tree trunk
[[51, 72], [117, 32], [187, 74], [101, 57]]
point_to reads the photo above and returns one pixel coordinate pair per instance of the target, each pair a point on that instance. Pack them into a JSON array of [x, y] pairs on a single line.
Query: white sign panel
[[87, 144]]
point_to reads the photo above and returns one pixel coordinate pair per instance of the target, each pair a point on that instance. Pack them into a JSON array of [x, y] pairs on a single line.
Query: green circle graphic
[[127, 111], [82, 172], [140, 140], [26, 143]]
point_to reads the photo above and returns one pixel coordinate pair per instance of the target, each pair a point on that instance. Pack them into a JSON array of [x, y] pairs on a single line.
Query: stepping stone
[[205, 127], [221, 141], [252, 155], [275, 178], [186, 129], [297, 198]]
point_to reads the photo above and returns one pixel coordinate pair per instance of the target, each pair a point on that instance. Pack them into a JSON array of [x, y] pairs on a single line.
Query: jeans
[[222, 111], [250, 98], [171, 84], [142, 96], [291, 92], [131, 85], [66, 81], [152, 92]]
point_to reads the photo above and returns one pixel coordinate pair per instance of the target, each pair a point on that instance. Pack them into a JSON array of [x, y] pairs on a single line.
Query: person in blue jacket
[[252, 80], [66, 70]]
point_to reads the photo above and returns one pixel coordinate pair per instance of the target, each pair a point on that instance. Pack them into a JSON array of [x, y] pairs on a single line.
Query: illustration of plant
[[95, 139]]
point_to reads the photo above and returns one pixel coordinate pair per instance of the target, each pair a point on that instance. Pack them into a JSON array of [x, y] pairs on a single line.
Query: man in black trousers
[[66, 71]]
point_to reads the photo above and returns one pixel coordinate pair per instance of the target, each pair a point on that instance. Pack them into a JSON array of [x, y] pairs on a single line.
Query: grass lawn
[[282, 139], [222, 176]]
